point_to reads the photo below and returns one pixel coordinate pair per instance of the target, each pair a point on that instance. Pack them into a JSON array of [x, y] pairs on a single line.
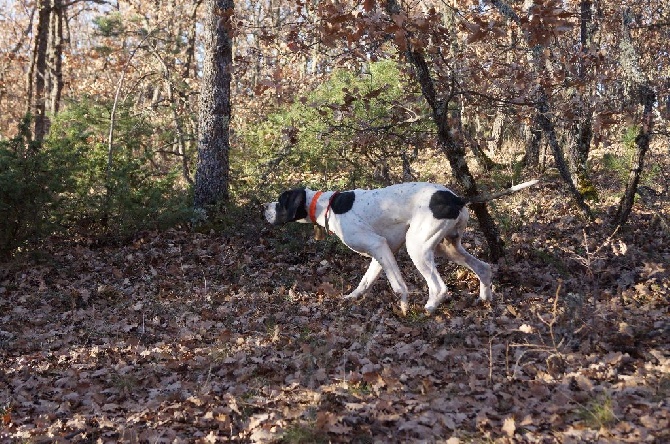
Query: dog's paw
[[485, 294], [404, 307], [354, 294], [432, 304], [430, 307]]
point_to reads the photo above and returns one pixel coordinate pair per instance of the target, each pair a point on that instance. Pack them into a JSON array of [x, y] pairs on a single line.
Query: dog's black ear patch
[[342, 202], [291, 206], [445, 205]]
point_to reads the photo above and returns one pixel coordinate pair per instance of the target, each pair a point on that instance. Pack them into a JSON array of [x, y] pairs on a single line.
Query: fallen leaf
[[509, 426], [525, 328]]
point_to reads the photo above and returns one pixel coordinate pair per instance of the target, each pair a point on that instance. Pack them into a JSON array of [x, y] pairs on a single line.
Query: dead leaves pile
[[183, 337]]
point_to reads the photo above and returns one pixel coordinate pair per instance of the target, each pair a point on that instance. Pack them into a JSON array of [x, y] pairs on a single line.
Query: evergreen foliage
[[30, 182], [348, 132], [69, 182]]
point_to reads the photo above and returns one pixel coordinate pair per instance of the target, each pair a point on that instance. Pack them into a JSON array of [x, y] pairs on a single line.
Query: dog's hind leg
[[451, 248], [369, 278], [422, 252]]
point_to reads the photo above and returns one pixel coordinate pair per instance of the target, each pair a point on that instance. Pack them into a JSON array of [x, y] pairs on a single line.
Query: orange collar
[[312, 206]]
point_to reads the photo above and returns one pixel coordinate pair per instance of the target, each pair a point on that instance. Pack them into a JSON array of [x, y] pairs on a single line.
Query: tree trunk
[[172, 101], [212, 174], [454, 150], [496, 140], [37, 73], [55, 53], [546, 123], [482, 158], [532, 156], [189, 65], [642, 143], [638, 82], [583, 128]]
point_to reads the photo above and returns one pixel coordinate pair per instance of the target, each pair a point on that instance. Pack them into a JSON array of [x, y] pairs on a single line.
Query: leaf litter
[[188, 337]]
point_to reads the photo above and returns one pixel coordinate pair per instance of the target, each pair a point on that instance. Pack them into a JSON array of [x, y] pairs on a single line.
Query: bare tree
[[212, 174], [638, 83], [453, 147]]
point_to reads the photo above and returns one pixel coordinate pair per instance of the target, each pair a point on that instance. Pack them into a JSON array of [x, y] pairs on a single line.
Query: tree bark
[[547, 125], [454, 151], [452, 147], [648, 98], [55, 54], [532, 156], [496, 140], [482, 159], [640, 84], [212, 174], [583, 128], [37, 73]]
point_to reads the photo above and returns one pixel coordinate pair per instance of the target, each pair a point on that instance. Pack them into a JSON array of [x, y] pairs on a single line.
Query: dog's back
[[389, 212]]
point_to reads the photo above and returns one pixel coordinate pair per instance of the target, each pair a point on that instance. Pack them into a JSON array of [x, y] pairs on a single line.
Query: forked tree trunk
[[212, 174], [642, 145], [452, 148]]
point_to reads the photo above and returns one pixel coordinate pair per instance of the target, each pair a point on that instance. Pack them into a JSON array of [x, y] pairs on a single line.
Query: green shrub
[[348, 132], [629, 136], [68, 183], [132, 192], [30, 180]]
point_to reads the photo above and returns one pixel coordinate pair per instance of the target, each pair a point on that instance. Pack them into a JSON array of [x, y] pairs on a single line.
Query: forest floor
[[243, 336]]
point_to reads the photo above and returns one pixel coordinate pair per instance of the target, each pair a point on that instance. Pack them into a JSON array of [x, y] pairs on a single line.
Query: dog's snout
[[270, 213]]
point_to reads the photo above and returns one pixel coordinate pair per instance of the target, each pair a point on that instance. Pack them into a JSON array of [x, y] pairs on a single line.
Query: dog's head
[[291, 207]]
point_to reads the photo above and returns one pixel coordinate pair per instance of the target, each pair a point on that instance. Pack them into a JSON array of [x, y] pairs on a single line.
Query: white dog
[[428, 218]]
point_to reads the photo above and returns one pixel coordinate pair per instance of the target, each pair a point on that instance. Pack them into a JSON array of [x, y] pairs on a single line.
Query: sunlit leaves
[[243, 336]]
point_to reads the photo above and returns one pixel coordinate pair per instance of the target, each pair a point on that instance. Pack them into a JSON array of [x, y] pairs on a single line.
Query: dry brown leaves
[[183, 337]]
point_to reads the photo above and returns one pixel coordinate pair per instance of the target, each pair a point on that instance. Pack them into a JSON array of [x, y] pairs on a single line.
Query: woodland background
[[126, 315]]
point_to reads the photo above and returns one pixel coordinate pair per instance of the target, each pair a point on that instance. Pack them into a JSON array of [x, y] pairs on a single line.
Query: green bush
[[30, 181], [68, 183], [348, 132], [629, 135], [132, 192]]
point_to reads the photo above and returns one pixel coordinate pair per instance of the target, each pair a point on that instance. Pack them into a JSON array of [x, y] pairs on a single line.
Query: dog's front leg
[[369, 278], [378, 248]]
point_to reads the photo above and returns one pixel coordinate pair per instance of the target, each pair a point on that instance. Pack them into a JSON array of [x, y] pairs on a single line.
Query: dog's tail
[[488, 197]]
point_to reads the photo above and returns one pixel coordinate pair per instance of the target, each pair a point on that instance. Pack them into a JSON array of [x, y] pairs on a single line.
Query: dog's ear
[[291, 206]]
